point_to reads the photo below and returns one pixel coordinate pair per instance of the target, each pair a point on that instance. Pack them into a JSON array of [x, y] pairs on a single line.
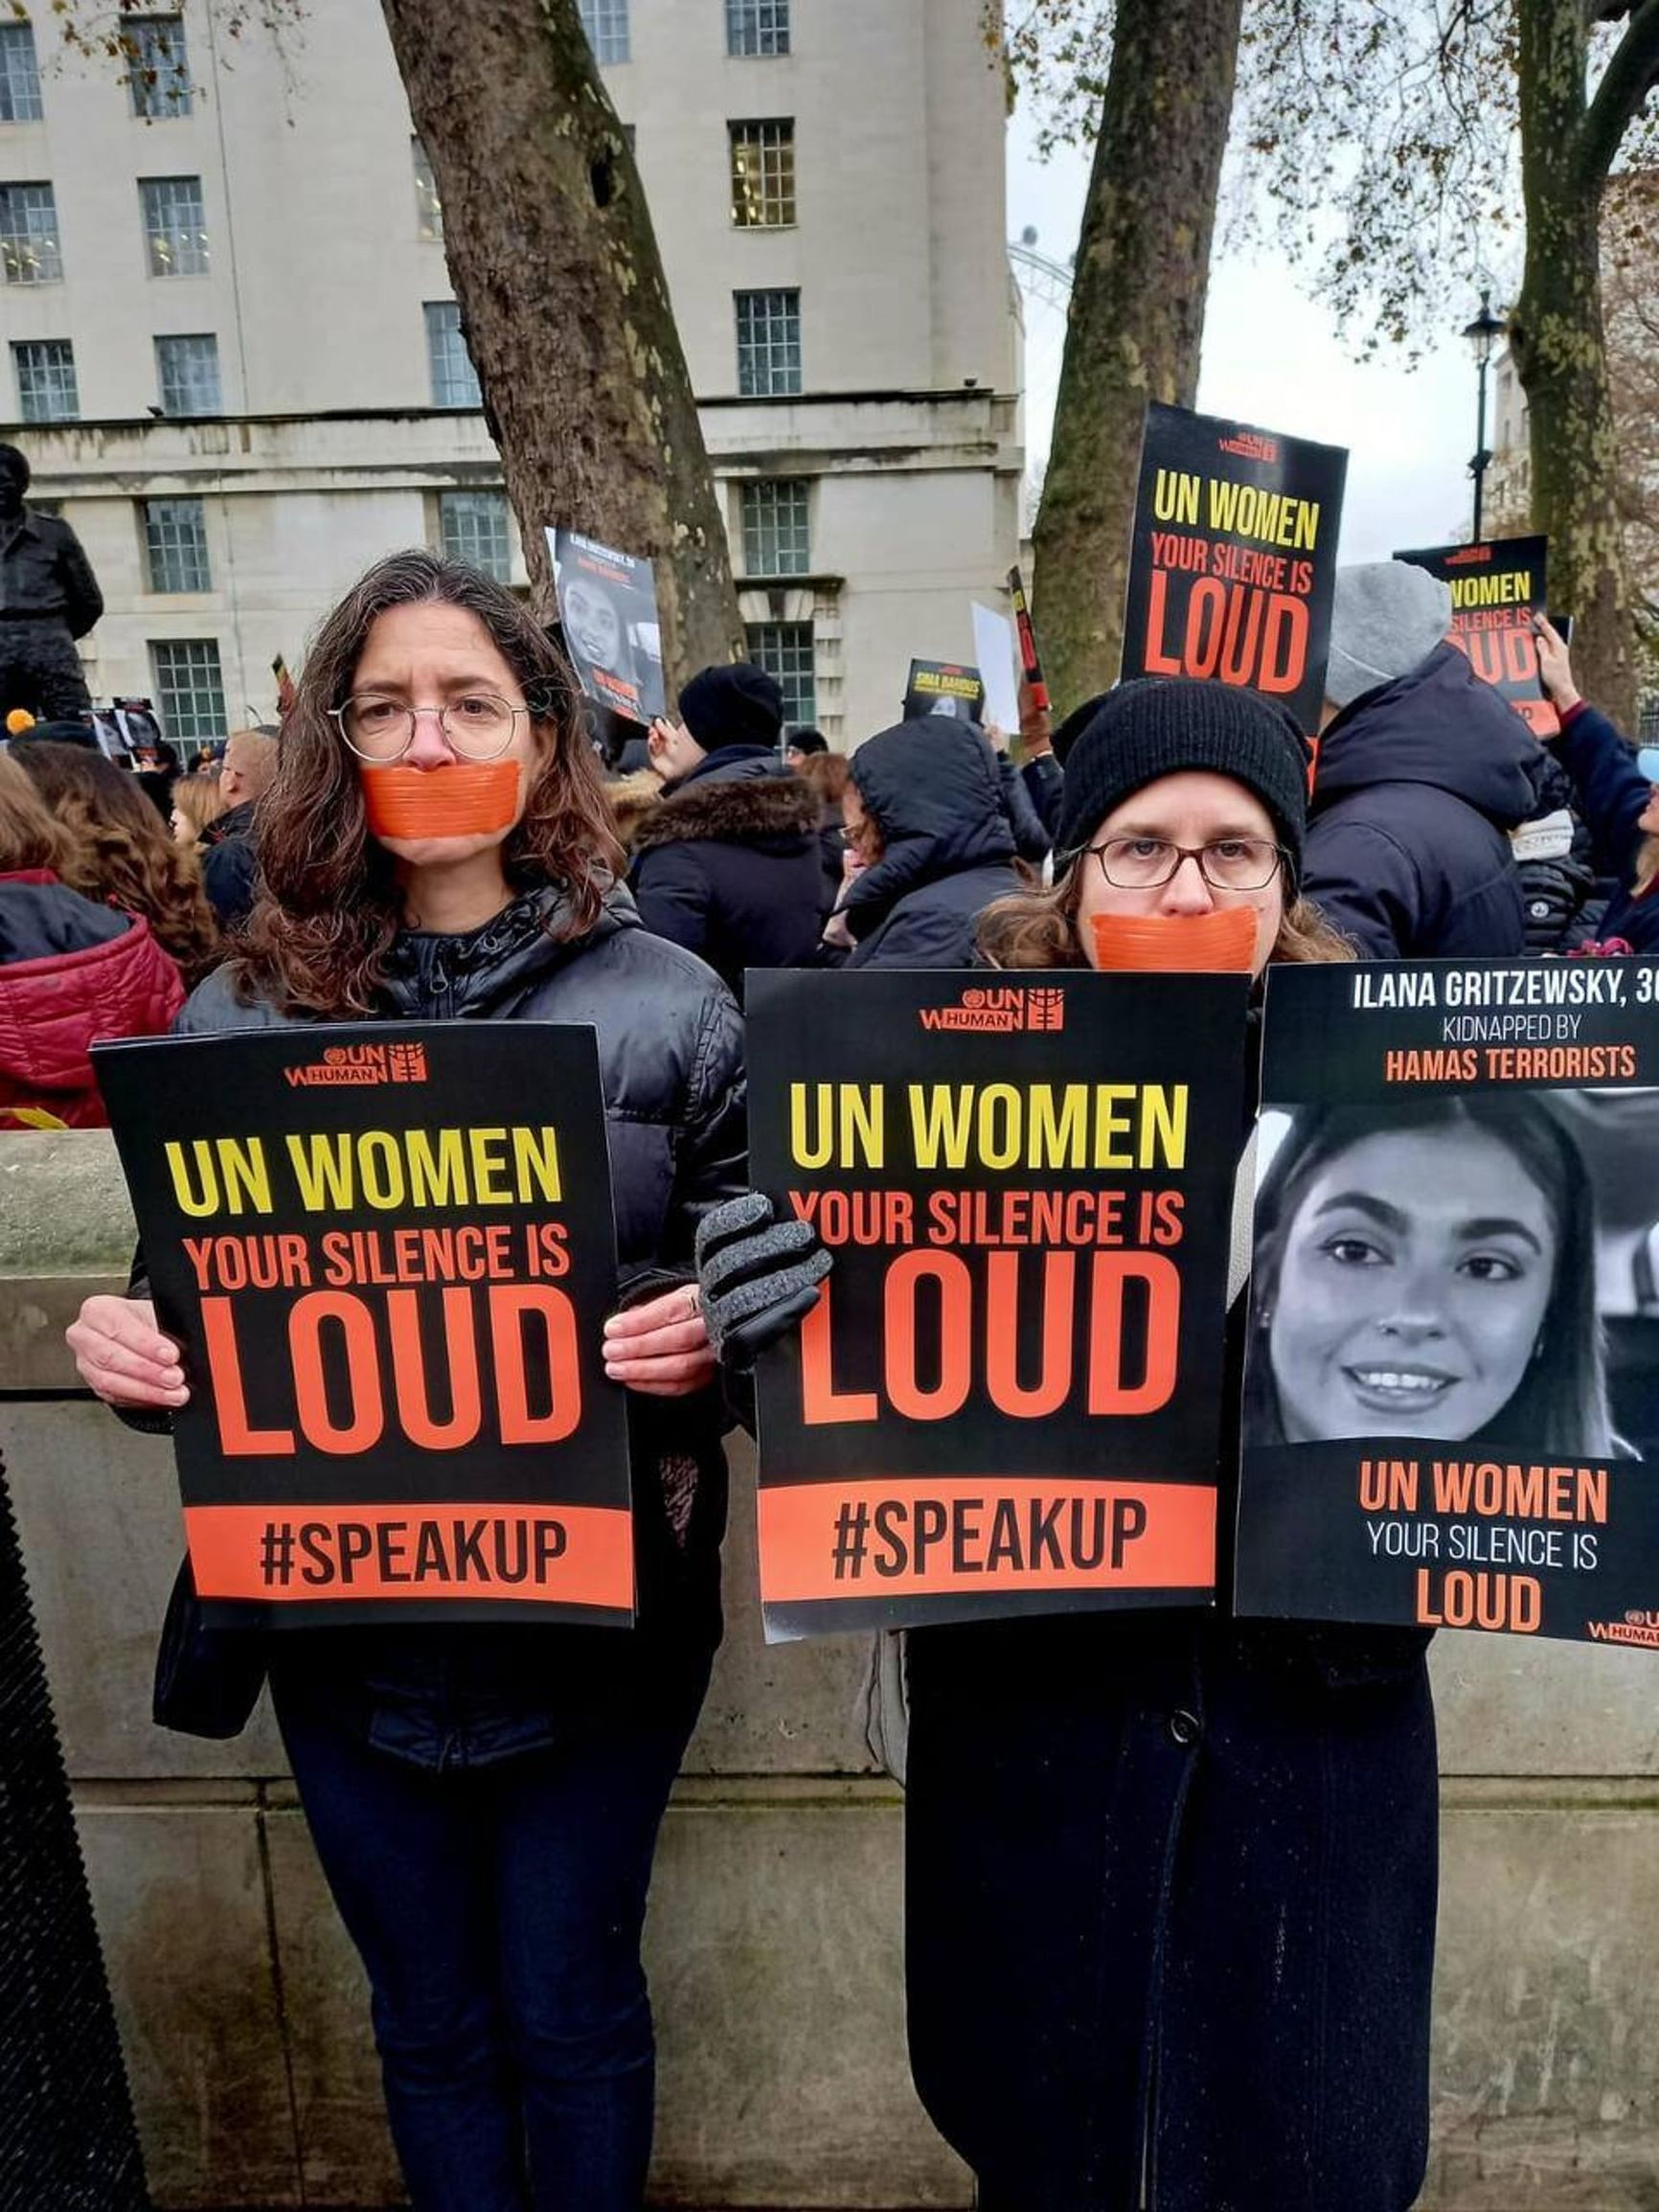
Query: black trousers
[[1169, 1910], [40, 671]]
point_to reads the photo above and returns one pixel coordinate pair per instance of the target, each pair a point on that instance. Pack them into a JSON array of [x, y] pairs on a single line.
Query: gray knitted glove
[[757, 1276]]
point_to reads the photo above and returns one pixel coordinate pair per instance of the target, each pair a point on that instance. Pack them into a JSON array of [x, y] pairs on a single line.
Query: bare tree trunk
[[1137, 316], [564, 303], [1567, 146]]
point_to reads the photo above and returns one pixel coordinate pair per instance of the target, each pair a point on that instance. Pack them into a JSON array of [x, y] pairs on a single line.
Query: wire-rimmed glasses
[[478, 726]]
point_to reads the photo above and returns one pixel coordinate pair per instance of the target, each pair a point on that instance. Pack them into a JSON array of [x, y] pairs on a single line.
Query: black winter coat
[[729, 864], [670, 1067], [1613, 796], [1152, 1924], [1418, 786], [229, 864], [935, 791]]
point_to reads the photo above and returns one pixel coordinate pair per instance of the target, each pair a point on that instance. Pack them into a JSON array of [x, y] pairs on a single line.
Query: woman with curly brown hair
[[116, 850], [73, 974], [484, 1800]]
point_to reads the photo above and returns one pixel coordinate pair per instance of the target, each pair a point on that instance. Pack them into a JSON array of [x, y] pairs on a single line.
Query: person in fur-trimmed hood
[[727, 864]]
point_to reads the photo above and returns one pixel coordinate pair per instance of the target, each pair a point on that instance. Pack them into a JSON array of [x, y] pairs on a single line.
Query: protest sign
[[388, 1283], [1232, 560], [995, 649], [1007, 1397], [944, 687], [607, 602], [126, 730], [1030, 667], [1452, 1373], [1497, 586]]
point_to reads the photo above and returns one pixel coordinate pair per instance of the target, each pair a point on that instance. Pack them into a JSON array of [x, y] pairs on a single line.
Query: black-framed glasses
[[1226, 864], [478, 726]]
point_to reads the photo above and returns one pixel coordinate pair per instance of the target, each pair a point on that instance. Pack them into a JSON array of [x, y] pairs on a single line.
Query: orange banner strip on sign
[[278, 1553], [913, 1534]]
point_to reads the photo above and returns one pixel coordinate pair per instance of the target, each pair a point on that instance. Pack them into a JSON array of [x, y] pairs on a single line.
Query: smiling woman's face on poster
[[594, 623], [1416, 1274]]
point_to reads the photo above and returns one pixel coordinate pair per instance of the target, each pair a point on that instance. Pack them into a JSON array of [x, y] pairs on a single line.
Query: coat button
[[1184, 1727]]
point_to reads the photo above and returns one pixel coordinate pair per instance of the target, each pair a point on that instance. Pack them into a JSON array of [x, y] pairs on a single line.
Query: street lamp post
[[1483, 335]]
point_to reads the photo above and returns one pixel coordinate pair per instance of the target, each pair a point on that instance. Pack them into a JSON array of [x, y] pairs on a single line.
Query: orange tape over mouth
[[468, 800], [1187, 943]]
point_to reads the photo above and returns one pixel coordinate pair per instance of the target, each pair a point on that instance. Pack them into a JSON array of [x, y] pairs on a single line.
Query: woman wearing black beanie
[[1171, 1877]]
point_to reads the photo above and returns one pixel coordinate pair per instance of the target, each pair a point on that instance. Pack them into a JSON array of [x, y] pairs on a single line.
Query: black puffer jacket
[[935, 791], [729, 864], [1419, 784], [670, 1065], [229, 865]]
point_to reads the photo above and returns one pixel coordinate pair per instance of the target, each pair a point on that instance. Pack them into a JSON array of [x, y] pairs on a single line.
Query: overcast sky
[[1273, 359]]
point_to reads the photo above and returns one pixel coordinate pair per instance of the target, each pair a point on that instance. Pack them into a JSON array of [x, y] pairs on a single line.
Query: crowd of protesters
[[1227, 1999]]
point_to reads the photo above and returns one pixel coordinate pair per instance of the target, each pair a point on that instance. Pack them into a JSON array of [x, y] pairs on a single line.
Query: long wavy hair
[[116, 850], [29, 837], [1039, 928], [1560, 1405], [329, 905]]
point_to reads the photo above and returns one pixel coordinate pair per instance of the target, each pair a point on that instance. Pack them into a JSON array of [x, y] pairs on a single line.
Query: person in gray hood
[[1422, 772]]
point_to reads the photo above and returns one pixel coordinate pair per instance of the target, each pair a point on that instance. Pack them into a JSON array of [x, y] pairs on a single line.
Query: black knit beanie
[[1162, 726], [740, 705]]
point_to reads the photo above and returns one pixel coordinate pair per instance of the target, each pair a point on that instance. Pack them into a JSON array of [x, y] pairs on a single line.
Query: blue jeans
[[498, 1912]]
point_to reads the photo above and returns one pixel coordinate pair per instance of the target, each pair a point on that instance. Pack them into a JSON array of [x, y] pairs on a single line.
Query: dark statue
[[49, 597]]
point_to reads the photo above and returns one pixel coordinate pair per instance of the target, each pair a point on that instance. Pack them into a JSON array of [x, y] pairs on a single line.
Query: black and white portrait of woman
[[1427, 1270], [607, 604]]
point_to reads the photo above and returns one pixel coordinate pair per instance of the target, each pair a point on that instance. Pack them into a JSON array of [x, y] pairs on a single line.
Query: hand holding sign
[[122, 1357], [661, 1349], [1555, 669]]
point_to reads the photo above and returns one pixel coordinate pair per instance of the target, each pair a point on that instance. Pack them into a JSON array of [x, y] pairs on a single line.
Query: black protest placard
[[1497, 586], [944, 687], [1031, 666], [387, 1251], [1452, 1373], [1007, 1397], [608, 605], [1232, 560]]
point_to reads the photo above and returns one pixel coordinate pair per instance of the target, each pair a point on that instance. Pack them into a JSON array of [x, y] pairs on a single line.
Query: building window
[[774, 530], [606, 24], [175, 544], [187, 371], [757, 26], [428, 207], [30, 252], [763, 175], [768, 344], [190, 692], [157, 69], [19, 75], [454, 378], [46, 387], [785, 650], [473, 526], [174, 225]]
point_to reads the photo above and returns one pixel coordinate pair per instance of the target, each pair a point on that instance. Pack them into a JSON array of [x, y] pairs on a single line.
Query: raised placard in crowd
[[1030, 667], [607, 603], [1497, 586], [1451, 1396], [997, 653], [1232, 560], [944, 687], [1007, 1397], [388, 1252]]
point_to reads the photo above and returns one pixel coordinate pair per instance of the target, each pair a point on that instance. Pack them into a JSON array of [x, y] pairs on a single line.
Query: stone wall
[[774, 1942]]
